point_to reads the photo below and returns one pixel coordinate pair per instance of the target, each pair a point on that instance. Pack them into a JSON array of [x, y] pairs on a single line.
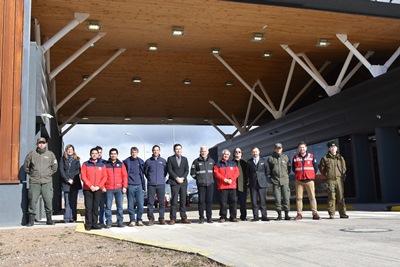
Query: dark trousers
[[152, 190], [227, 197], [181, 191], [71, 202], [92, 200], [242, 199], [258, 197], [205, 201]]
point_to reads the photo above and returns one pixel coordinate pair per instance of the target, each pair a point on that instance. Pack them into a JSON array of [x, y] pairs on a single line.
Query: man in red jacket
[[93, 175], [115, 186], [226, 172]]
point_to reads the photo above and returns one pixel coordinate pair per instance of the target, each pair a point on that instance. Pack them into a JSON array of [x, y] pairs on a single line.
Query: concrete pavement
[[367, 238]]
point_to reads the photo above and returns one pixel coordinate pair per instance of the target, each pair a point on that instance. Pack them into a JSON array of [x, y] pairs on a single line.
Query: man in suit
[[178, 169], [257, 173]]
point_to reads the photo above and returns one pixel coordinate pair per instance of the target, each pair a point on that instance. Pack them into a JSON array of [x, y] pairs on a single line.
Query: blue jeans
[[119, 198], [160, 191], [135, 195]]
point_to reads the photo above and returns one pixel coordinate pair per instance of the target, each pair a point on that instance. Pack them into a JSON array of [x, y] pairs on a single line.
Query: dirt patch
[[62, 246]]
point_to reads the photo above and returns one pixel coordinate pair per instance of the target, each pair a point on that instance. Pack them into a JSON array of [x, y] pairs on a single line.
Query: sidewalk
[[368, 238]]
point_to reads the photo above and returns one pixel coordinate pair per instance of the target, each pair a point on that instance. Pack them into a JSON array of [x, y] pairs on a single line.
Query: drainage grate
[[365, 230]]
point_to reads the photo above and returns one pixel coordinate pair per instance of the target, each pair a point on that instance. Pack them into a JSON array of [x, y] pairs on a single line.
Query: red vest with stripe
[[304, 171]]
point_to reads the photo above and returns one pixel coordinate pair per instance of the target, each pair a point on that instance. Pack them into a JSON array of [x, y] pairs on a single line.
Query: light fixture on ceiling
[[215, 51], [187, 81], [94, 25], [267, 54], [170, 119], [177, 31], [85, 118], [85, 77], [323, 42], [229, 83], [153, 47], [205, 120], [137, 80], [258, 37], [127, 119]]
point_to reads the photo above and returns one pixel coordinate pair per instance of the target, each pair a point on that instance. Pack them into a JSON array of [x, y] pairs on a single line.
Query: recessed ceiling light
[[153, 47], [170, 119], [323, 42], [187, 81], [93, 25], [85, 77], [177, 31], [127, 119], [267, 54], [215, 50], [229, 83], [258, 37], [85, 118], [137, 80]]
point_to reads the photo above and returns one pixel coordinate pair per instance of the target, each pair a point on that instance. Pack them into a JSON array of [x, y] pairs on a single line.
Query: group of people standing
[[103, 181]]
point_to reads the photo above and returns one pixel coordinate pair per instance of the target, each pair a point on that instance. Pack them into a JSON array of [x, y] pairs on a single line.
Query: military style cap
[[41, 140], [278, 145], [331, 143]]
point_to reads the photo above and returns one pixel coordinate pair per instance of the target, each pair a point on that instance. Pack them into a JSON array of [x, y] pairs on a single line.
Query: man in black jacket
[[257, 172], [178, 169]]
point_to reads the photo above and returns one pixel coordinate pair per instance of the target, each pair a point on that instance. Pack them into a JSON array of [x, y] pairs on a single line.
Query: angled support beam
[[76, 55], [345, 67], [246, 119], [304, 89], [226, 136], [94, 74], [256, 119], [271, 104], [237, 123], [313, 68], [244, 84], [354, 70], [87, 103], [36, 27], [375, 70], [78, 18], [226, 116], [69, 128], [288, 81], [304, 66]]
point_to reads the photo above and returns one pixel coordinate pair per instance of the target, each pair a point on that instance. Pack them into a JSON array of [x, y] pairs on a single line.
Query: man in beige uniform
[[333, 167]]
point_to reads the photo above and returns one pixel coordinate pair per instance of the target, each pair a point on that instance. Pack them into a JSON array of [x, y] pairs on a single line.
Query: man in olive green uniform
[[279, 165], [333, 167], [40, 164]]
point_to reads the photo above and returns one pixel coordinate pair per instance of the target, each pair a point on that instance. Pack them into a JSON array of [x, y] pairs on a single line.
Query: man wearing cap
[[40, 164], [279, 164], [333, 167]]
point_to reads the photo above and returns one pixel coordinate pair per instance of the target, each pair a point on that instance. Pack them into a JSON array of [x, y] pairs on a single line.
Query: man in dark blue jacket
[[155, 170], [136, 186]]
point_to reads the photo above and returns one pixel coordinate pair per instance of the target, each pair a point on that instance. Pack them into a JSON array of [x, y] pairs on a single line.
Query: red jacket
[[226, 169], [93, 173], [117, 177]]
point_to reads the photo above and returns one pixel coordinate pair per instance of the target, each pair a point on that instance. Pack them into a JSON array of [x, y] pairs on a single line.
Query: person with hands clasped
[[226, 172], [94, 176]]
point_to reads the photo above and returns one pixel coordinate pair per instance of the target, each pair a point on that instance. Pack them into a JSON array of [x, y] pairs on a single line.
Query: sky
[[84, 137]]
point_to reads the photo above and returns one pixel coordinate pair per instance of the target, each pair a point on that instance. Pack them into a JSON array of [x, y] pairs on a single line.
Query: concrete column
[[363, 177], [388, 151]]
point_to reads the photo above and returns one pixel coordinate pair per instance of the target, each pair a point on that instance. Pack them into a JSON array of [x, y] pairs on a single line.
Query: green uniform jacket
[[279, 165], [40, 167], [332, 167]]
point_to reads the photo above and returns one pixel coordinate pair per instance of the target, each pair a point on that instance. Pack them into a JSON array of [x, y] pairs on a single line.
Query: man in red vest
[[304, 167]]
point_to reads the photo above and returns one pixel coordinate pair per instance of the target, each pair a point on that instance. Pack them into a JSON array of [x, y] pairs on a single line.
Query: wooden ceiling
[[161, 94]]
